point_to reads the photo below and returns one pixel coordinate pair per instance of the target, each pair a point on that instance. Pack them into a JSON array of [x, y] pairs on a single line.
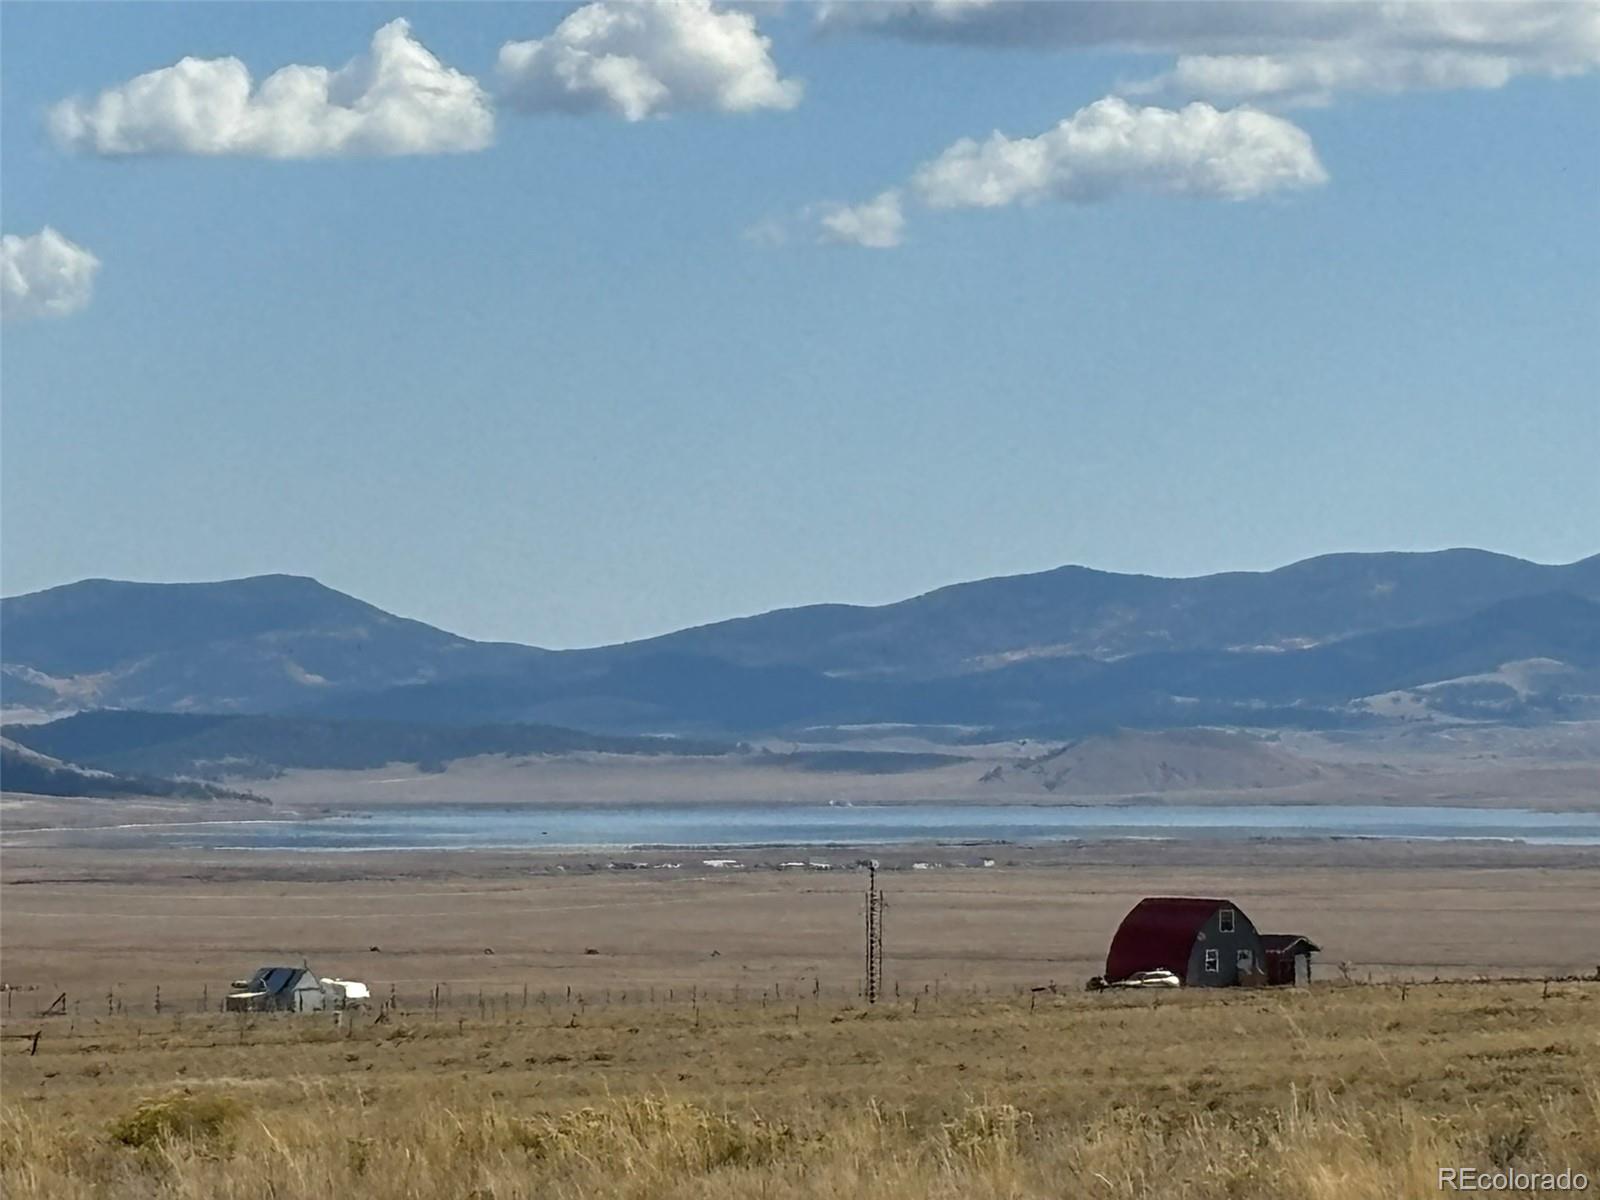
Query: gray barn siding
[[1227, 945]]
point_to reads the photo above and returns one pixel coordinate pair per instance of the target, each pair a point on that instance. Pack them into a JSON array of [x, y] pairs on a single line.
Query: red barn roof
[[1160, 932]]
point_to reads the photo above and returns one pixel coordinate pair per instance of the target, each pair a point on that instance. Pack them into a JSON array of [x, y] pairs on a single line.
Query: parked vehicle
[[1159, 978]]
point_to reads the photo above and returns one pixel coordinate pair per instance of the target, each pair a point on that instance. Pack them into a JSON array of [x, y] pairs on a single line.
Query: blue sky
[[601, 378]]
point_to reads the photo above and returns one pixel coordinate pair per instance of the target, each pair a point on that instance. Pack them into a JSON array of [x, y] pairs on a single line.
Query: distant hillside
[[244, 747], [1133, 762], [1097, 614], [1314, 687], [245, 645], [664, 691], [1557, 626], [1063, 652], [27, 771]]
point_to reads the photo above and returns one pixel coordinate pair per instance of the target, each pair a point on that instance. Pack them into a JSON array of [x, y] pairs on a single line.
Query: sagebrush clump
[[205, 1120]]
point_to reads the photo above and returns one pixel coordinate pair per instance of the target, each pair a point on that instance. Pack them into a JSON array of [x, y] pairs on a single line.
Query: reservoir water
[[712, 825]]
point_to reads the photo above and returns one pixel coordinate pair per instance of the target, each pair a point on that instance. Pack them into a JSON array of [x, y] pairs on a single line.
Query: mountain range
[[1340, 640]]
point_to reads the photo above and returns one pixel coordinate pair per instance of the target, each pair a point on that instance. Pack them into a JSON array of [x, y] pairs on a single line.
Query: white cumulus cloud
[[44, 275], [878, 224], [1103, 150], [644, 58], [1304, 51], [1112, 146], [396, 99]]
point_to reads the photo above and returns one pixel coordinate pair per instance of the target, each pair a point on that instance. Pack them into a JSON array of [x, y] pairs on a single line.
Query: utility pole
[[875, 907]]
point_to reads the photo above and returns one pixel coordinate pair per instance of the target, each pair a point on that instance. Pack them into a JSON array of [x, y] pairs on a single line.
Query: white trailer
[[348, 993]]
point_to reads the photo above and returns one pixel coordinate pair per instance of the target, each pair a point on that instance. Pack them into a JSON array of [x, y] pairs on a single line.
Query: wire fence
[[446, 997], [407, 1011], [450, 1009]]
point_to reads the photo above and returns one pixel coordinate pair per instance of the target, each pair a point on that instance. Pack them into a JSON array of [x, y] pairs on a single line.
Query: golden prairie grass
[[1343, 1092], [645, 1146]]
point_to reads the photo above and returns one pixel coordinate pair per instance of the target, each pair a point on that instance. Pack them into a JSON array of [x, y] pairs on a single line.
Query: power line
[[875, 907]]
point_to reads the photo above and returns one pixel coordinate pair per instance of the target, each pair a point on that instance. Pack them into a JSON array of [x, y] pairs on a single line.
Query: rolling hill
[[1067, 651], [1314, 687], [215, 746], [1077, 611], [246, 645], [1135, 761], [29, 772]]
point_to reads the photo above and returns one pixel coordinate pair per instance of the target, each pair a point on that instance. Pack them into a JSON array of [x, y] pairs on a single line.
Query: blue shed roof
[[274, 980]]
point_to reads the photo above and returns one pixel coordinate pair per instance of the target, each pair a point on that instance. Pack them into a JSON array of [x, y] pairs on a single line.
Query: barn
[[1205, 943], [279, 989]]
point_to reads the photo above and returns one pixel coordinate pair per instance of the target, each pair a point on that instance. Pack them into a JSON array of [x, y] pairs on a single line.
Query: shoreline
[[24, 866], [38, 824]]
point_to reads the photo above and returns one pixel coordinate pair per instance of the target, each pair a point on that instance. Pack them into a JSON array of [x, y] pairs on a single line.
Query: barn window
[[1244, 960], [1213, 961], [1225, 920]]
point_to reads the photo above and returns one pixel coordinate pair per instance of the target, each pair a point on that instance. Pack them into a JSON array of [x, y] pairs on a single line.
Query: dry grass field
[[698, 1033], [1342, 1091], [93, 923]]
